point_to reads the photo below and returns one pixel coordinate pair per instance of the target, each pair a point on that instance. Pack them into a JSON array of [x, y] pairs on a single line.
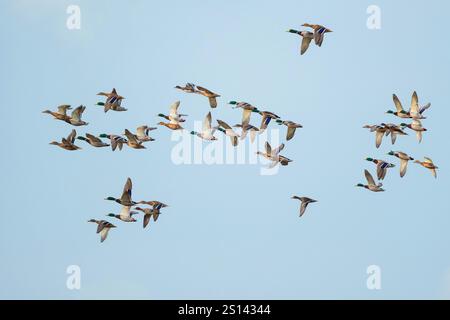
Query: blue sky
[[229, 232]]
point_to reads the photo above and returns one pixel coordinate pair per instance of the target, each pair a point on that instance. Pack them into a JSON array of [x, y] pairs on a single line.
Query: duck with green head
[[93, 141], [125, 199], [306, 39], [382, 167], [292, 126], [116, 140], [404, 158]]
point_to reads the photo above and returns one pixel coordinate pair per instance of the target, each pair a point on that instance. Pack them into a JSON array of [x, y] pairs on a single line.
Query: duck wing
[[369, 178], [305, 44], [131, 137], [403, 167], [398, 104], [126, 194], [173, 111], [71, 136], [414, 104], [206, 127], [276, 151], [76, 114], [379, 138], [303, 207], [290, 133]]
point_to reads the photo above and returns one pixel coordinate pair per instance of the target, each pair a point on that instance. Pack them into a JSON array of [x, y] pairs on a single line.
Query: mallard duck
[[319, 32], [209, 94], [125, 215], [67, 143], [304, 203], [228, 131], [274, 155], [404, 158], [248, 128], [75, 118], [93, 141], [188, 88], [155, 204], [116, 141], [379, 130], [266, 117], [125, 199], [306, 39], [142, 133], [415, 112], [428, 163], [247, 110], [132, 141], [394, 131], [382, 167], [112, 104], [171, 126], [292, 126], [113, 101], [207, 131], [148, 213], [103, 228], [416, 126], [61, 113], [371, 185]]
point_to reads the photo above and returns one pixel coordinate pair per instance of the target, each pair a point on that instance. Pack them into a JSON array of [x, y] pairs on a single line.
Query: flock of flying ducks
[[176, 120], [416, 114]]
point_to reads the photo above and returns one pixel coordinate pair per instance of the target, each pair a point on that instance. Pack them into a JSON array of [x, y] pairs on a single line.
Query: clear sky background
[[229, 232]]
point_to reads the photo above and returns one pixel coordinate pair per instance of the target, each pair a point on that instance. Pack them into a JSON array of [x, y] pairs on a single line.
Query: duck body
[[171, 126], [382, 167], [371, 185], [103, 228], [209, 94], [67, 143], [305, 201], [428, 164], [292, 127], [404, 159], [61, 113], [93, 141]]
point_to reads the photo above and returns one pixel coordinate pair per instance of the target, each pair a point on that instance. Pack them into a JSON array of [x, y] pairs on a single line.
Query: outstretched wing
[[414, 104], [71, 136], [126, 194], [305, 45], [398, 104], [207, 123], [268, 148], [276, 151], [223, 124], [174, 109], [76, 114], [369, 178]]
